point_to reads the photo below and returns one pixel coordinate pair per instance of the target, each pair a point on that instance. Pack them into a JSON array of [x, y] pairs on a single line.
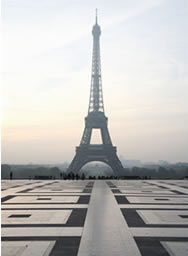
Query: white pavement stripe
[[41, 232], [153, 206], [159, 232], [43, 206], [51, 194], [105, 231]]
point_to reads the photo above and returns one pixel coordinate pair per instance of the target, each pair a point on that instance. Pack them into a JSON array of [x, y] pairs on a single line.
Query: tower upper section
[[96, 31], [96, 96]]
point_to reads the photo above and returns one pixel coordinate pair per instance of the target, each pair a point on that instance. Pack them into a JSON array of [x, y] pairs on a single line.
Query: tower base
[[103, 153]]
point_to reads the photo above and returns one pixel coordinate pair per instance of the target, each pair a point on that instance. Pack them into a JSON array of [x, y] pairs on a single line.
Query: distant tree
[[55, 169], [171, 173], [162, 172], [186, 173], [136, 171], [5, 171]]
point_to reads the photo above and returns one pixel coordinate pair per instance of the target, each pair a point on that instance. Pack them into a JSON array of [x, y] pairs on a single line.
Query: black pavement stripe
[[6, 198]]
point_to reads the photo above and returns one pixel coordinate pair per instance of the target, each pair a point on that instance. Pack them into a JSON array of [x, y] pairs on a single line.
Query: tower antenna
[[96, 18]]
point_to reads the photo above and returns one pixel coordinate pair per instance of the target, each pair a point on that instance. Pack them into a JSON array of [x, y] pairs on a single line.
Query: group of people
[[72, 176]]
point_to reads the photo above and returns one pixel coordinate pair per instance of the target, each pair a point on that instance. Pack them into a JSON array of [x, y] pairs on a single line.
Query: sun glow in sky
[[47, 49]]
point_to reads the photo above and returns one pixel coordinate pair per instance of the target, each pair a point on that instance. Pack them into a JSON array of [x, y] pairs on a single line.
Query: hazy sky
[[47, 49]]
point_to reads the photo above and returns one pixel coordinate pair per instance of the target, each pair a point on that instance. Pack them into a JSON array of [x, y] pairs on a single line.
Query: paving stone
[[35, 216], [176, 248], [25, 248], [43, 199]]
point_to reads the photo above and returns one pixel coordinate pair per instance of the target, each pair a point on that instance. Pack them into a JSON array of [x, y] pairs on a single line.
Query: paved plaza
[[94, 218]]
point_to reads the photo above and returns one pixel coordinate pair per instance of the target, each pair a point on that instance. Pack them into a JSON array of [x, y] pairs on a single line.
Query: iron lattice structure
[[96, 119]]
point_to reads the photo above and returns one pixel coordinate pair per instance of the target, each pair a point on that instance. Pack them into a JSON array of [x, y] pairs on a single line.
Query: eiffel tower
[[96, 119]]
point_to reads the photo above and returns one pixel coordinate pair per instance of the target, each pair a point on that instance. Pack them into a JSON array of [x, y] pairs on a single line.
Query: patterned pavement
[[94, 218]]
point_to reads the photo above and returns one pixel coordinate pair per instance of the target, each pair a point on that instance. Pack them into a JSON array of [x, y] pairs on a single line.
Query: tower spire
[[96, 18]]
